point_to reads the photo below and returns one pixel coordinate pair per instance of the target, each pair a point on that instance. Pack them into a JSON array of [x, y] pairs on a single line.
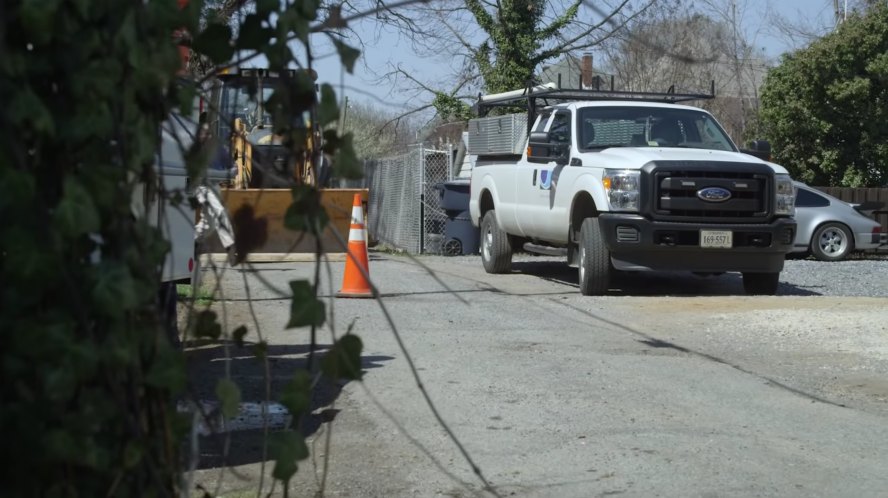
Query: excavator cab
[[259, 158]]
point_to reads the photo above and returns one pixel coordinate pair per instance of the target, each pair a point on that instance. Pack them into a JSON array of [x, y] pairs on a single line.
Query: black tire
[[832, 242], [496, 247], [594, 261], [761, 284]]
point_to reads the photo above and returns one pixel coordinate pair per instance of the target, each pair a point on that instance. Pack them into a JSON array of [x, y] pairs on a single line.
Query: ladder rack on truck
[[500, 134], [552, 93]]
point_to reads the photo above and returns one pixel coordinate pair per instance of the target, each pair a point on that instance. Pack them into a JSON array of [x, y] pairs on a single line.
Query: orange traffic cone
[[354, 283]]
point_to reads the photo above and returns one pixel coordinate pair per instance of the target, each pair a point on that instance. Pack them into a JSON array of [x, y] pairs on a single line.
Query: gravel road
[[670, 385], [865, 276], [859, 277]]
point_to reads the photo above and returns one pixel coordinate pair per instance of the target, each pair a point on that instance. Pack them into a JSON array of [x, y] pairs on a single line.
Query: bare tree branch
[[607, 19]]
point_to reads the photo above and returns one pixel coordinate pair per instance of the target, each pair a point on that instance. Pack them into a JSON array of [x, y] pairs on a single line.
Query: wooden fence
[[860, 195]]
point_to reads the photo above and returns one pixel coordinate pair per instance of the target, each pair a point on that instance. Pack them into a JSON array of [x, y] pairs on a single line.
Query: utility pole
[[841, 13], [737, 70]]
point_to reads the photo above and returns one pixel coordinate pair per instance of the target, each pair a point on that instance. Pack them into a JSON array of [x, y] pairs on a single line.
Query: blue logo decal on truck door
[[545, 179]]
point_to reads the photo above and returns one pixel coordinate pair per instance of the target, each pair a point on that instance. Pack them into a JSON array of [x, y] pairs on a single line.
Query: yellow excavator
[[263, 169], [237, 117]]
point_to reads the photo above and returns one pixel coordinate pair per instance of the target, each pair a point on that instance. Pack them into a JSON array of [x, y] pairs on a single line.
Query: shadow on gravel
[[206, 365], [655, 283]]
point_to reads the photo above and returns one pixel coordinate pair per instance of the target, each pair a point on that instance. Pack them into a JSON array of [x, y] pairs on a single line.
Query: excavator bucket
[[258, 215]]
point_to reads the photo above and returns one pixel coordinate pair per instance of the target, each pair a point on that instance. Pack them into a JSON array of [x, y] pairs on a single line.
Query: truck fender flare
[[586, 187], [486, 186]]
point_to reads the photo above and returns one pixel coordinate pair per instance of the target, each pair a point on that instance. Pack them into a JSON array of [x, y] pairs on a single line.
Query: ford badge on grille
[[714, 194]]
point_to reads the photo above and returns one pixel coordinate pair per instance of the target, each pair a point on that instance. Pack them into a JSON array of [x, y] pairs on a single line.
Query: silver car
[[829, 228]]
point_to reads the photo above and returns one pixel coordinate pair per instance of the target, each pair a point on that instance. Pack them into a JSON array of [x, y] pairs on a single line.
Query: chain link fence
[[404, 209]]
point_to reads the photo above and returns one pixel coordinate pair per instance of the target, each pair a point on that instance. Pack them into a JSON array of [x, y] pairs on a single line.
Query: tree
[[671, 45], [825, 107], [500, 46], [377, 134], [802, 27]]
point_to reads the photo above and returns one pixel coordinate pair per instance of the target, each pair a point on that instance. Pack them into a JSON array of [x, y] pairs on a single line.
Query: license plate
[[717, 239]]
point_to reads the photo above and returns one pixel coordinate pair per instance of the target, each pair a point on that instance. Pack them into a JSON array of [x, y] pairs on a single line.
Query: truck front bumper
[[637, 243]]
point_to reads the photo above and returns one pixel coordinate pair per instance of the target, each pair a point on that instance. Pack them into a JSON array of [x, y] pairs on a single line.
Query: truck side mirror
[[538, 145], [539, 137], [542, 147], [760, 146]]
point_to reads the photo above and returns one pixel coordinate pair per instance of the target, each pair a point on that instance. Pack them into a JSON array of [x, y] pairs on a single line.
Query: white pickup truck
[[625, 181]]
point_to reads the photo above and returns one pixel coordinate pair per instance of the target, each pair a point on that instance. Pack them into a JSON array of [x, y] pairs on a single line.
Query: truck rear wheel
[[761, 284], [496, 248], [594, 259]]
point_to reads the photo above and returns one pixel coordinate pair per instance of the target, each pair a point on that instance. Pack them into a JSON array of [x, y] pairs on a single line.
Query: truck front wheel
[[496, 248], [594, 259], [761, 284]]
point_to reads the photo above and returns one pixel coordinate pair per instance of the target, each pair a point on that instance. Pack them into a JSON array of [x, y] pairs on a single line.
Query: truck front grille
[[739, 193]]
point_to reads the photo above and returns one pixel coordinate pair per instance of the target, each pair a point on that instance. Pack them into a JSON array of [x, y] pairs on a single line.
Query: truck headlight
[[621, 187], [784, 202]]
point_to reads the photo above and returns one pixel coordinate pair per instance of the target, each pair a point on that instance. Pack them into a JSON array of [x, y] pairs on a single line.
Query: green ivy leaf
[[16, 188], [167, 371], [345, 161], [27, 260], [328, 109], [308, 9], [76, 214], [347, 54], [278, 54], [238, 335], [132, 454], [266, 7], [305, 307], [206, 325], [260, 350], [343, 361], [26, 107], [187, 91], [286, 448], [59, 444], [305, 213], [114, 291], [38, 20], [292, 20], [296, 395], [215, 43], [230, 397], [252, 35]]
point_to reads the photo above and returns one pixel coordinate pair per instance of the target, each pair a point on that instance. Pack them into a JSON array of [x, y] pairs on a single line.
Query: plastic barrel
[[460, 237]]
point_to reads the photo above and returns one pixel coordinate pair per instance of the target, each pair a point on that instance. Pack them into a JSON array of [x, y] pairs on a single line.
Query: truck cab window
[[606, 127], [560, 129], [556, 141], [541, 122], [668, 132]]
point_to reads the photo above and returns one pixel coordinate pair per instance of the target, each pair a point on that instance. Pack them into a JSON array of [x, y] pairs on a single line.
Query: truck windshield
[[605, 127]]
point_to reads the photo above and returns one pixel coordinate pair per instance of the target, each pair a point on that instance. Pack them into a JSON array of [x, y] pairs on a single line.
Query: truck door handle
[[534, 178]]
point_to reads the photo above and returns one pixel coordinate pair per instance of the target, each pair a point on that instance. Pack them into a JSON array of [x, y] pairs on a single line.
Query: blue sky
[[386, 48]]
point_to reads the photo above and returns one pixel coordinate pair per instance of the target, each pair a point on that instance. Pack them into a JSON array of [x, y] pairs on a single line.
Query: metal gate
[[404, 209]]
